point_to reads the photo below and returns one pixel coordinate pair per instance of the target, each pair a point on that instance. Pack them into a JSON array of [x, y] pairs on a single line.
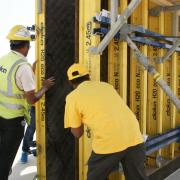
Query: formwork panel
[[117, 72], [59, 55], [177, 121], [117, 60], [87, 9], [138, 77], [176, 65], [40, 105], [155, 93], [167, 75]]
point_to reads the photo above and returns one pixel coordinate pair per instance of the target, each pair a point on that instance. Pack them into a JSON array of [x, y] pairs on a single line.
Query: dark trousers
[[11, 134], [28, 136], [132, 159]]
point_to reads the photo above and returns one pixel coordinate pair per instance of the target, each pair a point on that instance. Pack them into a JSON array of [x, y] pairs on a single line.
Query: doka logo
[[3, 70]]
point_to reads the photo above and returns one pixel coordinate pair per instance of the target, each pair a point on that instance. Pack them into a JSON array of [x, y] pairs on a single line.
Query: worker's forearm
[[39, 94], [33, 97]]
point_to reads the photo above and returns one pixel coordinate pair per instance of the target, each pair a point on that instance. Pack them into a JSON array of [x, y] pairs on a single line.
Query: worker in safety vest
[[114, 128], [17, 93]]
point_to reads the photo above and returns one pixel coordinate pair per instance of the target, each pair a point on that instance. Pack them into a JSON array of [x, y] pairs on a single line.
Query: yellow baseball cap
[[76, 70]]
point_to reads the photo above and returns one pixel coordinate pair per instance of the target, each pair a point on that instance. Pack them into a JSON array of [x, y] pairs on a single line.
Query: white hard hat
[[19, 33]]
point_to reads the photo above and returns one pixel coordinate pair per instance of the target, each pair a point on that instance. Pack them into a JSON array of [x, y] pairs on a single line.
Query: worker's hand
[[32, 96], [48, 83]]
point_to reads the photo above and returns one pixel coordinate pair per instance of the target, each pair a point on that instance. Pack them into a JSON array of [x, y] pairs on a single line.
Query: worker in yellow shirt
[[115, 130]]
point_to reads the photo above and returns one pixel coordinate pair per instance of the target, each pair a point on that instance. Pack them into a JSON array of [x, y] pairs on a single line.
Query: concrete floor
[[28, 171], [174, 176], [23, 171]]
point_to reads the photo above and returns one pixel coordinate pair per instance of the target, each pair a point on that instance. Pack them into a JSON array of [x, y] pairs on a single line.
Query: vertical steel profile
[[88, 9], [167, 75], [40, 105], [117, 61], [155, 93], [175, 27], [138, 77], [177, 77]]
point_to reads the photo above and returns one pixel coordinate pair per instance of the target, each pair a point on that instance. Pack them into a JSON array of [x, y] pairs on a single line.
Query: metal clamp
[[115, 28]]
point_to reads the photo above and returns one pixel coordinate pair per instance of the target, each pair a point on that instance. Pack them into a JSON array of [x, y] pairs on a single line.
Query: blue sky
[[13, 12]]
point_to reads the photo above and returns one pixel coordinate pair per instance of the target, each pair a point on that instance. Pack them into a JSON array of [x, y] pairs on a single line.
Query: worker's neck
[[21, 51]]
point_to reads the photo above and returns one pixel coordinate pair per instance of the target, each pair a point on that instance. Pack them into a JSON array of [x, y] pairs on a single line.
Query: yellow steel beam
[[138, 77], [117, 72], [163, 2], [160, 91], [177, 123], [88, 9], [40, 74], [175, 25], [177, 77], [167, 109], [173, 108], [155, 93], [117, 62]]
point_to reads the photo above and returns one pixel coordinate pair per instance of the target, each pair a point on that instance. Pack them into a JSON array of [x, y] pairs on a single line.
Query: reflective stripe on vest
[[9, 92], [11, 106]]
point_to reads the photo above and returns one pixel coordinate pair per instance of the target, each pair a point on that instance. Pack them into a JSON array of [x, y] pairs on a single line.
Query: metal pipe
[[169, 93], [161, 145], [114, 11], [116, 27], [144, 61], [39, 6], [169, 53], [157, 10], [162, 137]]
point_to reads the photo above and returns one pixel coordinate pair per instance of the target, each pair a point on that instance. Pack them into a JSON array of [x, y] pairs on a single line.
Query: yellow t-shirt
[[98, 105]]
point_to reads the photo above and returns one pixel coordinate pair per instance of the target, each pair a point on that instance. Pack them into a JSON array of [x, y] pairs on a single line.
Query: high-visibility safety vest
[[12, 100]]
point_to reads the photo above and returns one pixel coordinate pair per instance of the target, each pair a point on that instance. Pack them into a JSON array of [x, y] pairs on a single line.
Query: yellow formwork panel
[[117, 62], [160, 91], [155, 93], [117, 72], [138, 77], [40, 105], [177, 80], [173, 108], [177, 123], [174, 112], [175, 29], [167, 75], [87, 9]]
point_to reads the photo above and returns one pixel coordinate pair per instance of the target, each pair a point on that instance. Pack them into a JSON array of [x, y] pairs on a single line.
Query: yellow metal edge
[[88, 9], [138, 77], [40, 105]]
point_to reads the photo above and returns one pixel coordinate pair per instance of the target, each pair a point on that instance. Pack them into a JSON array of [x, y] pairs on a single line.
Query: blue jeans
[[28, 137]]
